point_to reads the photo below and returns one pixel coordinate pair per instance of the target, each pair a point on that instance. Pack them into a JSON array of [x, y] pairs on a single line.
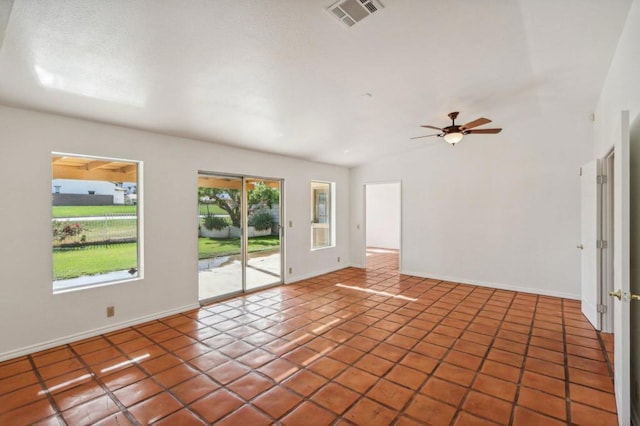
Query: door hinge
[[602, 309], [601, 179], [601, 244]]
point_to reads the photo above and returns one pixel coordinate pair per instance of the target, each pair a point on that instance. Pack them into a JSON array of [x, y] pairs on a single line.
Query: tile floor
[[369, 347]]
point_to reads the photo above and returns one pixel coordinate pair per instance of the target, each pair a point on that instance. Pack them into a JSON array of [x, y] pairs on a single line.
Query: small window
[[322, 214], [95, 220]]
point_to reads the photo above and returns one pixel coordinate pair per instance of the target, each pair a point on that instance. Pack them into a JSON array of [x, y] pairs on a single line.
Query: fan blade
[[433, 127], [427, 136], [475, 123], [486, 131]]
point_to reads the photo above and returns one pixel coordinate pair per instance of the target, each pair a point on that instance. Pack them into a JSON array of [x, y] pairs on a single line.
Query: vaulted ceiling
[[284, 76]]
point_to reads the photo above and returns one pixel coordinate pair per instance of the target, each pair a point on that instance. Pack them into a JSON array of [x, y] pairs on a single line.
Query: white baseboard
[[496, 285], [92, 333], [296, 278]]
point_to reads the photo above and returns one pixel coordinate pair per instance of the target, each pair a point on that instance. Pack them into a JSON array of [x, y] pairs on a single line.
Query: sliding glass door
[[264, 262], [239, 234]]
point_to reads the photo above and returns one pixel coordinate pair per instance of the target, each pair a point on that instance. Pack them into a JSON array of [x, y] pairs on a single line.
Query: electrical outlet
[[338, 259], [290, 270], [290, 224], [111, 311]]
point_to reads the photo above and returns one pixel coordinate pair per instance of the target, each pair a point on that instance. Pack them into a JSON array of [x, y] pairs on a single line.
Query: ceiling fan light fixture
[[453, 138]]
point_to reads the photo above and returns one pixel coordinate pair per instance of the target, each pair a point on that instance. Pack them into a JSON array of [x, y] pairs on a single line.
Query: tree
[[229, 200]]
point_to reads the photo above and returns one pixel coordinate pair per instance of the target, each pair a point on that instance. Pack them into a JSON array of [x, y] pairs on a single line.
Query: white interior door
[[621, 312], [590, 235]]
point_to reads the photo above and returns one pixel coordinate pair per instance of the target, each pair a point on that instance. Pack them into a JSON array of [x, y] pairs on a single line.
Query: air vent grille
[[349, 12]]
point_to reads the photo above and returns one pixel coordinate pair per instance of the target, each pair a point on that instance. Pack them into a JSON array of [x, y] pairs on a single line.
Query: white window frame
[[139, 275], [322, 217]]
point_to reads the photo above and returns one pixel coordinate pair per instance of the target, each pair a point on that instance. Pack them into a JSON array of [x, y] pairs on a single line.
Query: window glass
[[94, 221], [322, 213]]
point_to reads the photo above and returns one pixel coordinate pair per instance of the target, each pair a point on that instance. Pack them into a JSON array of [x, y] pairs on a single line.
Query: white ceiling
[[284, 76]]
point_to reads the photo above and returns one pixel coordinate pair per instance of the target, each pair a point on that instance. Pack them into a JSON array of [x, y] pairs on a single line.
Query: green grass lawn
[[80, 211], [210, 247], [92, 260]]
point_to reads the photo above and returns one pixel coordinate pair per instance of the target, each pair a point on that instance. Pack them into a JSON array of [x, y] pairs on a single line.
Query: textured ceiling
[[284, 76]]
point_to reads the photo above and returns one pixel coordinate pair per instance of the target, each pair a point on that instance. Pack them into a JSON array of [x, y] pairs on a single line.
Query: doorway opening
[[383, 226], [239, 234]]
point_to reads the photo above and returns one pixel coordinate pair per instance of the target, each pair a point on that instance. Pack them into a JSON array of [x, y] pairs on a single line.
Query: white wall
[[32, 317], [383, 215], [622, 92], [502, 211]]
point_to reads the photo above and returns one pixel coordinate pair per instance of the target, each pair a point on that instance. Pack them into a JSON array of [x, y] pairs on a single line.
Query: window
[[95, 220], [322, 214]]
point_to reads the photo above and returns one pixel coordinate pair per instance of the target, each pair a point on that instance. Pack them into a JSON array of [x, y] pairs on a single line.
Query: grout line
[[41, 382]]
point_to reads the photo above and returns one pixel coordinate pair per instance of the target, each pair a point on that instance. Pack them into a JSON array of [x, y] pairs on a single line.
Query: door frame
[[607, 227], [364, 221], [244, 235]]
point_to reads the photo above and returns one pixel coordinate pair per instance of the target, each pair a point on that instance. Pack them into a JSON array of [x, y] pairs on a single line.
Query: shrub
[[63, 230], [212, 222], [261, 221]]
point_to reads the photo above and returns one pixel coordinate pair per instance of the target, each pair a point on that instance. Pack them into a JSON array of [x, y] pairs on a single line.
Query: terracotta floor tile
[[495, 387], [17, 381], [279, 369], [194, 388], [155, 408], [462, 359], [544, 383], [123, 378], [250, 385], [406, 376], [593, 397], [277, 401], [227, 372], [116, 419], [136, 392], [390, 394], [444, 391], [216, 405], [466, 419], [305, 382], [544, 367], [246, 415], [374, 364], [91, 412], [78, 395], [306, 411], [27, 414], [586, 378], [525, 417], [356, 379], [335, 397], [455, 374], [430, 411], [182, 417], [590, 416], [368, 412], [488, 407], [256, 358], [345, 354], [543, 403], [327, 367], [311, 350]]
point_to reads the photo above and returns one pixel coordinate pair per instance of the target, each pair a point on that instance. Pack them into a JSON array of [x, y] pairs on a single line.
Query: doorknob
[[635, 297], [626, 296], [581, 247], [617, 294]]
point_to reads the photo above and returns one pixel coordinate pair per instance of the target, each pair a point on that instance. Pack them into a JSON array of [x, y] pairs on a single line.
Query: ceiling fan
[[454, 133]]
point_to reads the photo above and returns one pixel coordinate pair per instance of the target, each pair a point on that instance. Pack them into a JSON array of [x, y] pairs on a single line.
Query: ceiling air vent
[[350, 12]]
